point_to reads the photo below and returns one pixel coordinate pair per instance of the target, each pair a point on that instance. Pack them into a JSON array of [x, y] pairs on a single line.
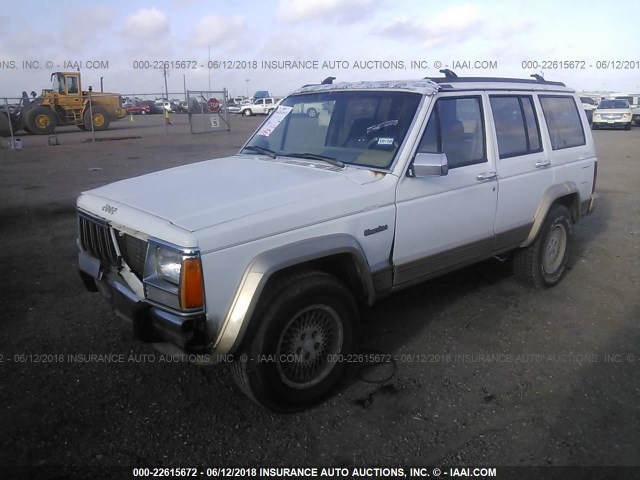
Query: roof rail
[[451, 77]]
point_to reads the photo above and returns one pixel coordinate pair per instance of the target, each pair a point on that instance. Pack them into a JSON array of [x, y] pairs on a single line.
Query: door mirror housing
[[429, 165]]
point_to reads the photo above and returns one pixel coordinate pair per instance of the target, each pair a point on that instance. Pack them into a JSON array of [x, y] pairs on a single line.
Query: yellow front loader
[[67, 104]]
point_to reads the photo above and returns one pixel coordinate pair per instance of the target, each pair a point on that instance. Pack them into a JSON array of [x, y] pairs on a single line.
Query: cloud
[[86, 35], [217, 31], [343, 11], [454, 24], [147, 24]]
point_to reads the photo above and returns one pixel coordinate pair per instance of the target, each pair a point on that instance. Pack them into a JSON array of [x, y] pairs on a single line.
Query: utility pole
[[209, 69], [184, 85], [165, 112]]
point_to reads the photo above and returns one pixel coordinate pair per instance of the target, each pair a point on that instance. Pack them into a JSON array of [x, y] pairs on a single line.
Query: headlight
[[173, 277], [169, 264]]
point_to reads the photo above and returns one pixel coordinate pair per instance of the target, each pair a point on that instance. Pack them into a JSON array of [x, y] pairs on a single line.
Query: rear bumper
[[148, 322]]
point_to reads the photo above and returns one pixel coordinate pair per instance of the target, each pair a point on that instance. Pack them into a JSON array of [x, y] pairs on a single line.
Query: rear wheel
[[543, 263], [98, 116], [307, 326], [41, 121]]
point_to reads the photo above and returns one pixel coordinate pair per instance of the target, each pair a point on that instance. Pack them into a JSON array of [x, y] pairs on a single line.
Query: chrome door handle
[[544, 164], [486, 176]]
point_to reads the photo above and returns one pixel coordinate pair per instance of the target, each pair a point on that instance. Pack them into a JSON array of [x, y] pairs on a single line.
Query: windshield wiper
[[315, 156], [264, 151], [388, 123]]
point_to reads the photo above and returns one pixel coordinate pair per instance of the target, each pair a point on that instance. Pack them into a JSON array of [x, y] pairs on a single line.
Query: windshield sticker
[[385, 141], [274, 120]]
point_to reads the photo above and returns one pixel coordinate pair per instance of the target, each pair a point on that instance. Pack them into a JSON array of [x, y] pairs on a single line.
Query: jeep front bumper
[[149, 323]]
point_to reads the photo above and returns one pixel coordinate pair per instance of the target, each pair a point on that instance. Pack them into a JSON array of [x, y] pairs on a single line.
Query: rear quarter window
[[563, 121]]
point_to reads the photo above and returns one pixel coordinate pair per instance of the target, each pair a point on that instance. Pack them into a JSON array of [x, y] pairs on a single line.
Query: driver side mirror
[[429, 165]]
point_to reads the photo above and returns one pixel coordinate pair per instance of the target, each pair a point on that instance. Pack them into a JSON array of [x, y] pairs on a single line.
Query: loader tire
[[41, 121], [100, 119]]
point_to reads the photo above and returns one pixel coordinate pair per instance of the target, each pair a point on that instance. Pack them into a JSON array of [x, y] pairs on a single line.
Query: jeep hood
[[213, 192]]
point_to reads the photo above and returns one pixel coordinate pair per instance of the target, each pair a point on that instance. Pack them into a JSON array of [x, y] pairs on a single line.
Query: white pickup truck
[[269, 255]]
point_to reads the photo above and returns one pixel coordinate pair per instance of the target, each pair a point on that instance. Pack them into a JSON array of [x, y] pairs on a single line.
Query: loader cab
[[66, 83]]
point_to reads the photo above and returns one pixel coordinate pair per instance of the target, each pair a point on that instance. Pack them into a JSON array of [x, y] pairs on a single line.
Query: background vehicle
[[634, 104], [138, 108], [589, 104], [612, 113], [262, 106], [67, 104]]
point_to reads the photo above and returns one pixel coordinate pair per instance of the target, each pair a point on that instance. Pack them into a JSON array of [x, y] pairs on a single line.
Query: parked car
[[634, 104], [166, 105], [266, 258], [589, 105], [138, 108], [612, 113]]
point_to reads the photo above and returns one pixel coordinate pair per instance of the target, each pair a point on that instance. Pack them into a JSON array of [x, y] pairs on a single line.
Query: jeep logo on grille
[[109, 209]]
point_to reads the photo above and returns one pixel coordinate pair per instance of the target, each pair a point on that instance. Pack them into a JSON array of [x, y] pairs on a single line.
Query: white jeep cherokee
[[267, 255]]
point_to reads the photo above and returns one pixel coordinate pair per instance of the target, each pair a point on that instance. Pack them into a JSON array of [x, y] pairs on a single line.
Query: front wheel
[[543, 263], [307, 326], [246, 112], [41, 121]]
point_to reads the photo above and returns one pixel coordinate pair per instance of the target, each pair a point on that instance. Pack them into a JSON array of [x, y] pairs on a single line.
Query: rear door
[[523, 165]]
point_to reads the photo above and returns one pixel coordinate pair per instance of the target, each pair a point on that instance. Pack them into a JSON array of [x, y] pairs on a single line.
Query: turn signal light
[[191, 288]]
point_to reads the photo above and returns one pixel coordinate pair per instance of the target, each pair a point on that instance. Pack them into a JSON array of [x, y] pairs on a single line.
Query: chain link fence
[[208, 111]]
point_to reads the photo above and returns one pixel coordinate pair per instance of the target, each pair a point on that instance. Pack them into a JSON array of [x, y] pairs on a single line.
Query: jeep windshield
[[362, 128]]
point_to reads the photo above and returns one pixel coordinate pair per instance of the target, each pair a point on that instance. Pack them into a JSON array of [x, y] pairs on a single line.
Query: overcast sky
[[506, 33]]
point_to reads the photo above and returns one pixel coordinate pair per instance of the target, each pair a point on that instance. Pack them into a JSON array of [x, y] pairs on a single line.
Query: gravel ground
[[487, 371]]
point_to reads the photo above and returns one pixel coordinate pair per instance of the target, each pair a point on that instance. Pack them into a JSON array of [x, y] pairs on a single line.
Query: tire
[[41, 121], [143, 112], [100, 119], [247, 112], [301, 307], [627, 127], [543, 263], [312, 113]]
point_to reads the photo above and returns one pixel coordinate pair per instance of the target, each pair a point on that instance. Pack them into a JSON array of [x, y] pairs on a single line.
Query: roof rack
[[451, 77]]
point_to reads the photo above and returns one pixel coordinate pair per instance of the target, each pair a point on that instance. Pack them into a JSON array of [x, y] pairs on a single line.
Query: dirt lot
[[500, 374]]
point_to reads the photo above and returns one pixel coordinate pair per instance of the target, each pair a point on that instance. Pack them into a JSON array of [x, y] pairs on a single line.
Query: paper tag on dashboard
[[274, 120]]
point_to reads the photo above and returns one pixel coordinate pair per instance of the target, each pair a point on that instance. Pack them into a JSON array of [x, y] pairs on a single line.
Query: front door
[[447, 221]]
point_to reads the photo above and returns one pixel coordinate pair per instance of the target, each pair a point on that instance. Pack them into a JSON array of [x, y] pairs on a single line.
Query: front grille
[[134, 252], [95, 238]]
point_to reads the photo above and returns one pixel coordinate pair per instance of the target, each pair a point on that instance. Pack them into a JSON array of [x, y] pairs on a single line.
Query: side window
[[563, 121], [456, 128], [72, 84], [516, 125]]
